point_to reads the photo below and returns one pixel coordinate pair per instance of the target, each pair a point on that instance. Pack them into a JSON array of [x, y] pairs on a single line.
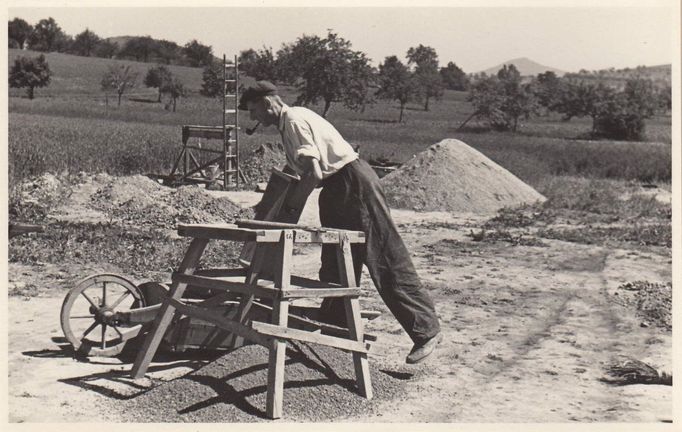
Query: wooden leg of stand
[[280, 317], [165, 314], [275, 396], [247, 300], [353, 318]]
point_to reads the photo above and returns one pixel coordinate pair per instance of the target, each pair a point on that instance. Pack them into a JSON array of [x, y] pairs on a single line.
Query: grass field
[[68, 127]]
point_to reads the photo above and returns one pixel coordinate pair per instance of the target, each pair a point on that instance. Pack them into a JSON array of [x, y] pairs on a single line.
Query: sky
[[603, 35]]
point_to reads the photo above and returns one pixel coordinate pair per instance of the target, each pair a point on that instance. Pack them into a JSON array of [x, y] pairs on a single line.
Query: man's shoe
[[422, 350]]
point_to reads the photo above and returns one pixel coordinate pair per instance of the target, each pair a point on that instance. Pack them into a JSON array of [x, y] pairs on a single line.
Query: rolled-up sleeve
[[303, 138]]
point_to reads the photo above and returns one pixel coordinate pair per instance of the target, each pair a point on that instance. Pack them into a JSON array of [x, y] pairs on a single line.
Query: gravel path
[[319, 386]]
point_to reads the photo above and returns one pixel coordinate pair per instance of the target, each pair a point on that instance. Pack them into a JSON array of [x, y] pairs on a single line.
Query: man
[[352, 199]]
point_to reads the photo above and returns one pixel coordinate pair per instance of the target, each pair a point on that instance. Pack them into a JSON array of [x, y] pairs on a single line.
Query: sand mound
[[319, 386], [451, 176]]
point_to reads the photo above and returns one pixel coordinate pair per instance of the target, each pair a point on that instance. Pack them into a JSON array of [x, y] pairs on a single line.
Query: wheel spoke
[[117, 331], [104, 336], [87, 297], [104, 294], [119, 300], [89, 329]]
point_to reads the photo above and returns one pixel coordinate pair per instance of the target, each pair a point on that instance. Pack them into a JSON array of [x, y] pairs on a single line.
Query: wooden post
[[165, 314], [246, 302], [353, 318], [280, 316]]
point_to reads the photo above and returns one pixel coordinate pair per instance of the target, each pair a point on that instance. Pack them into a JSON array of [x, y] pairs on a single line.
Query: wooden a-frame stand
[[274, 247]]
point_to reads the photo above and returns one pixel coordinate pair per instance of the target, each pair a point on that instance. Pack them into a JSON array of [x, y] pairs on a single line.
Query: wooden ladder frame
[[187, 168]]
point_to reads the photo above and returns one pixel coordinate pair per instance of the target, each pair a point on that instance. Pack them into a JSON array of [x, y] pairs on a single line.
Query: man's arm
[[309, 180]]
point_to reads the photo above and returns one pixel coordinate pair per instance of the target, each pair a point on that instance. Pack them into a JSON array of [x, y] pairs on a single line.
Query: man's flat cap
[[255, 91]]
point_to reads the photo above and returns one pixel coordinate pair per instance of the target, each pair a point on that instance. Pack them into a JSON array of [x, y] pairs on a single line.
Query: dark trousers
[[352, 199]]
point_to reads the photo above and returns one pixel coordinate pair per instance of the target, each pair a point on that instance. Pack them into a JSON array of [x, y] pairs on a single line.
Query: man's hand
[[309, 180]]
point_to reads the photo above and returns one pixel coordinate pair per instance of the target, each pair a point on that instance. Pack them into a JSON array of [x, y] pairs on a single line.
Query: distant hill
[[525, 66], [79, 75], [661, 75]]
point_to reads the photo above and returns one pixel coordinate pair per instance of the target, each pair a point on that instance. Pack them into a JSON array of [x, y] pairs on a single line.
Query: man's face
[[258, 111]]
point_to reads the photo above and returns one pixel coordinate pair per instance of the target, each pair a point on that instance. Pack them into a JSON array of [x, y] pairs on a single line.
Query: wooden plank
[[217, 232], [203, 149], [227, 284], [352, 306], [313, 325], [165, 315], [221, 272], [285, 252], [282, 332], [360, 360], [221, 322], [321, 292], [277, 357], [252, 276], [208, 132]]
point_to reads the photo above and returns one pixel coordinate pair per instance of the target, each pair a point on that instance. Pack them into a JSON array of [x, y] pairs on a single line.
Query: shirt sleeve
[[303, 138]]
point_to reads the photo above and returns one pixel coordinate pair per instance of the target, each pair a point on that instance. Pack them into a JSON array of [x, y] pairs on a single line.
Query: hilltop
[[526, 67]]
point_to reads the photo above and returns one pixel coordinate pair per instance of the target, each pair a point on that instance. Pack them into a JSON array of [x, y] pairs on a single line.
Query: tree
[[197, 54], [395, 83], [579, 99], [325, 69], [622, 116], [212, 80], [294, 59], [454, 78], [258, 64], [157, 77], [30, 73], [426, 75], [84, 43], [105, 49], [120, 79], [664, 98], [502, 99], [167, 51], [331, 74], [139, 48], [47, 36], [547, 87], [173, 88], [18, 33]]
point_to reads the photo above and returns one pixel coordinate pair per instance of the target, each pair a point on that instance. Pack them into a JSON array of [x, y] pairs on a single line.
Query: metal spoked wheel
[[87, 312]]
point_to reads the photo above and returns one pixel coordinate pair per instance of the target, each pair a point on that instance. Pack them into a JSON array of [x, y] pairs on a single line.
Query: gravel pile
[[451, 176], [258, 165], [319, 386], [143, 202]]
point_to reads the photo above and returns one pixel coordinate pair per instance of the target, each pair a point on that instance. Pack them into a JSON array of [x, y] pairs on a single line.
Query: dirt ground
[[528, 332]]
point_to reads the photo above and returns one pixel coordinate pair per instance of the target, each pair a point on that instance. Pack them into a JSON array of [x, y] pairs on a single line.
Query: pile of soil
[[141, 201], [451, 176], [32, 200], [258, 165], [319, 386]]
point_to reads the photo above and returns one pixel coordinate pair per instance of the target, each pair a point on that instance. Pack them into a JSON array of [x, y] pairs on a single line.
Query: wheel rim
[[88, 305]]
